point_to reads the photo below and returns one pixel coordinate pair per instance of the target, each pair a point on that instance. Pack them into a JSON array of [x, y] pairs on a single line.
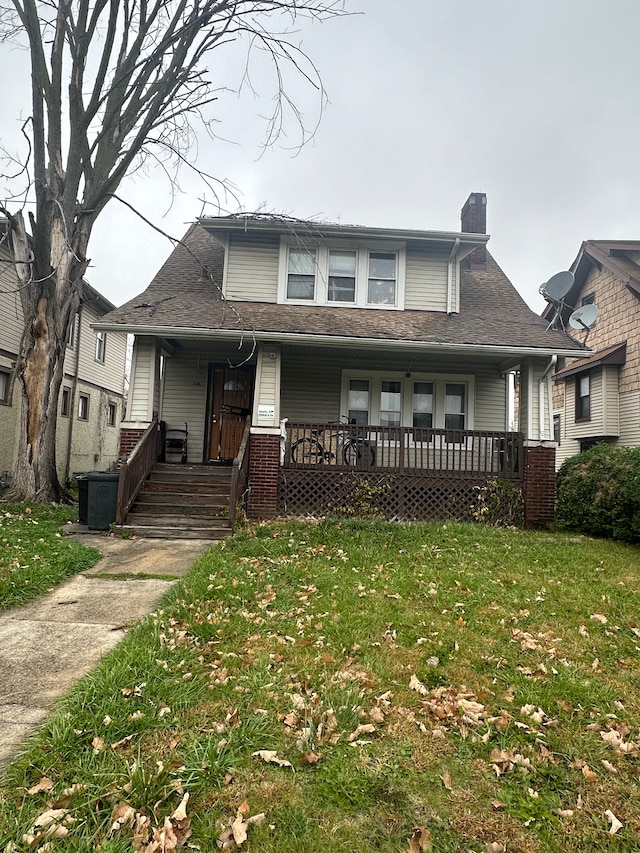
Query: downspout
[[72, 402], [550, 366], [454, 252]]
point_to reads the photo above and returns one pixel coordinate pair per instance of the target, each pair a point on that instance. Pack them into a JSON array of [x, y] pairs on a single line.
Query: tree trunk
[[50, 295]]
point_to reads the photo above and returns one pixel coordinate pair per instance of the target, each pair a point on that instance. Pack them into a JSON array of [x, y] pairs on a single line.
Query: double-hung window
[[419, 400], [359, 276], [301, 277], [101, 346], [583, 397]]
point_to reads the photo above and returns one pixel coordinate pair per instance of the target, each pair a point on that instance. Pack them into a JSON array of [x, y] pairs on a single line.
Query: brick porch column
[[539, 485], [128, 440], [264, 461]]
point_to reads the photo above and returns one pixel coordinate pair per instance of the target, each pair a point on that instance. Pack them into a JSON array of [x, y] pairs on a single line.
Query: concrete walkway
[[47, 645]]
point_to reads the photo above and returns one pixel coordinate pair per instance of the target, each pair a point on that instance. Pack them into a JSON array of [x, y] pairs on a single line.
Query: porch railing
[[406, 450], [239, 473], [134, 470]]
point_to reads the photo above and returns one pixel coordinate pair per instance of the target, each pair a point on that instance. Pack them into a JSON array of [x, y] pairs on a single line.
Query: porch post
[[143, 396], [539, 484]]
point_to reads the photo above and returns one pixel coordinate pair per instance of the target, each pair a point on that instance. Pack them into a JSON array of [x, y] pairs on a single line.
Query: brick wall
[[263, 476], [539, 486], [473, 220], [128, 440]]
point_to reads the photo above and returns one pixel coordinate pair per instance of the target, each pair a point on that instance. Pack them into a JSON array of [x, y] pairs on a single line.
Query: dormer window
[[363, 277]]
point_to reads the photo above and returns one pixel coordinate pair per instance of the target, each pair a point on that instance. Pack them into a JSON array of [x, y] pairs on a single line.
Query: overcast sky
[[534, 103]]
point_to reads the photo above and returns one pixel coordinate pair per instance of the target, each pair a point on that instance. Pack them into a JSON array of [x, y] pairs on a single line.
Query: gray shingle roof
[[186, 293]]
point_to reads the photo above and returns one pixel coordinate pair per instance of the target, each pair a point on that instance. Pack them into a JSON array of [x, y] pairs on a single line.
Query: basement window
[[5, 377], [65, 402], [83, 407], [112, 410]]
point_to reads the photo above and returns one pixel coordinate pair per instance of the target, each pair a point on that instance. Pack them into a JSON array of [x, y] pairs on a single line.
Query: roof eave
[[342, 341]]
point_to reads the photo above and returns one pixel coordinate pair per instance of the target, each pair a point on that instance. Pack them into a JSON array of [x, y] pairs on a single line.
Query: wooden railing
[[239, 473], [407, 450], [134, 470]]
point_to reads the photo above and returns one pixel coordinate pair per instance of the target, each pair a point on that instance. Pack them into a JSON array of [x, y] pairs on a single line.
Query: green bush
[[598, 493]]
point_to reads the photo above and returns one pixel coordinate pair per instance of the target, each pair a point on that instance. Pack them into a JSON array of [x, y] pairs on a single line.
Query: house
[[598, 398], [92, 391], [409, 337]]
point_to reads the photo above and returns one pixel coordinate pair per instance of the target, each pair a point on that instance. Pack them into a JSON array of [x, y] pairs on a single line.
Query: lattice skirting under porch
[[407, 497]]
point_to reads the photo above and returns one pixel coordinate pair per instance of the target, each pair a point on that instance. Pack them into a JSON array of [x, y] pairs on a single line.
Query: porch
[[398, 472]]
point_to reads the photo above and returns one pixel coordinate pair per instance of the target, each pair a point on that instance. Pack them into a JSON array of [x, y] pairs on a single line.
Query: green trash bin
[[102, 499], [83, 498]]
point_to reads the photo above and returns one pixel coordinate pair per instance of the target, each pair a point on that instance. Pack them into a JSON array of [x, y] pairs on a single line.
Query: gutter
[[450, 274], [343, 341], [541, 381]]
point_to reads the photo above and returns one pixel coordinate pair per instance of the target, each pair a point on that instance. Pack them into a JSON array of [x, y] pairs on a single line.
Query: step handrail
[[136, 467], [240, 472]]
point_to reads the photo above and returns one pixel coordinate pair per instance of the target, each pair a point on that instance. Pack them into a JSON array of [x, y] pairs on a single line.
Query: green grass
[[292, 636], [33, 555]]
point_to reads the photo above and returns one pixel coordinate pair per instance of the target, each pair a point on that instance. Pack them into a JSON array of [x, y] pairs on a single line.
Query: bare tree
[[139, 76]]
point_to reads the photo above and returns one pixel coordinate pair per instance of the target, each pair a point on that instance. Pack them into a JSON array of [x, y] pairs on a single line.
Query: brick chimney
[[474, 221]]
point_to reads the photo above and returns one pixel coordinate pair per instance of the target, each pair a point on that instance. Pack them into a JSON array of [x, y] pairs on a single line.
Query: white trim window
[[101, 346], [346, 274], [422, 401]]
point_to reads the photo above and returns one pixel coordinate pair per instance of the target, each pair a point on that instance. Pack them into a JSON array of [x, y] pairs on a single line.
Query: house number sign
[[267, 412]]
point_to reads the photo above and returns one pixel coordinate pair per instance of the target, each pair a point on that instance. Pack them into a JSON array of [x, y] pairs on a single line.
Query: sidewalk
[[48, 644]]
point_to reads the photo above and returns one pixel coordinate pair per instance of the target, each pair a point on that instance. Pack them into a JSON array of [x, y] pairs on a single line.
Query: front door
[[230, 404]]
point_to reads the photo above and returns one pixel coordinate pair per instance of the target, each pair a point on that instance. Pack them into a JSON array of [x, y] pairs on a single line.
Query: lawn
[[33, 555], [357, 686]]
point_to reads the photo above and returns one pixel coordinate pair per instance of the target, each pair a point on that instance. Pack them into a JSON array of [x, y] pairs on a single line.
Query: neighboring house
[[91, 395], [598, 399], [409, 335]]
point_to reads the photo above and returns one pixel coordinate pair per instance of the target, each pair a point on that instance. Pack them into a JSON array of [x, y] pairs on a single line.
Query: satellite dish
[[584, 317], [558, 286]]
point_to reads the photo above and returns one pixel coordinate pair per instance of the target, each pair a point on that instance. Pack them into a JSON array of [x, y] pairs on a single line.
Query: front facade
[[409, 338], [598, 398], [92, 391]]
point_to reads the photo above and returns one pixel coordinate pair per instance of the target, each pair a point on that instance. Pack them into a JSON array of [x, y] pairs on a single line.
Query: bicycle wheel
[[358, 453], [307, 451]]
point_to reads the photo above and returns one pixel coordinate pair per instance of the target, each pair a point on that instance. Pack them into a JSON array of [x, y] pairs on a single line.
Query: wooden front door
[[230, 404]]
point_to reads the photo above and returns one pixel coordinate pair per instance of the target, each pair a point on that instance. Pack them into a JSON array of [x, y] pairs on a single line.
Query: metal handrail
[[136, 467]]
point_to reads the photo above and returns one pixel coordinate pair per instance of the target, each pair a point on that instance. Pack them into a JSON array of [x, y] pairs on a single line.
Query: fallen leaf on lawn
[[495, 847], [180, 813], [376, 714], [608, 766], [364, 729], [163, 710], [233, 718], [310, 758], [420, 840], [45, 784], [239, 829], [446, 779], [563, 812], [123, 815], [498, 804], [588, 774], [49, 817], [122, 742], [236, 832], [615, 823], [98, 744], [582, 630], [417, 685], [271, 757], [598, 617]]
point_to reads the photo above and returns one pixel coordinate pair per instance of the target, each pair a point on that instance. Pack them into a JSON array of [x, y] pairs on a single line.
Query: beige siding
[[267, 384], [426, 281], [490, 402], [252, 267], [184, 400], [595, 425], [611, 410], [299, 376], [630, 419], [141, 392]]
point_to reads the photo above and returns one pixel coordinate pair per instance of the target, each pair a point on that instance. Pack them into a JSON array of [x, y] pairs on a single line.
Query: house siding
[[185, 400], [426, 281], [252, 267], [630, 419], [267, 384], [141, 392]]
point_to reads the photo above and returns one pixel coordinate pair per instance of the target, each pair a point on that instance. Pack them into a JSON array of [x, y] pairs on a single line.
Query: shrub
[[499, 503], [598, 493]]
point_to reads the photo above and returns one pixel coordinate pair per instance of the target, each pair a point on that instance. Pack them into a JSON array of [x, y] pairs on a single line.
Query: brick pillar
[[264, 463], [539, 486], [128, 440]]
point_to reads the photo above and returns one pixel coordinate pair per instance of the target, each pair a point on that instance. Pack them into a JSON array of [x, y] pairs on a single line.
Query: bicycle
[[354, 451]]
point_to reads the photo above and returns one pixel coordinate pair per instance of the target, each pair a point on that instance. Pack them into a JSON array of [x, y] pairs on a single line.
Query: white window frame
[[440, 380], [321, 290], [101, 347]]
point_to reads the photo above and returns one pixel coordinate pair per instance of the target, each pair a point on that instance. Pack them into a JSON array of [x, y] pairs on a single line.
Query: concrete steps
[[182, 502]]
